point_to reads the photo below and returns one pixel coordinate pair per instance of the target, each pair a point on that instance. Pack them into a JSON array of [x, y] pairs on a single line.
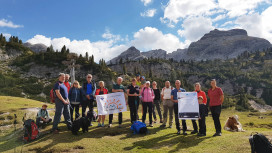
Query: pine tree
[[87, 56], [63, 49], [124, 69]]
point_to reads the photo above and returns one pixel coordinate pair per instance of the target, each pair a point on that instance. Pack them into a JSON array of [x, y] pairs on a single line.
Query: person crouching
[[43, 117]]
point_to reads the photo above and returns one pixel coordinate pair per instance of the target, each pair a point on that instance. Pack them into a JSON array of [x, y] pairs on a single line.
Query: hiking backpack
[[31, 131], [259, 143], [138, 127], [53, 95]]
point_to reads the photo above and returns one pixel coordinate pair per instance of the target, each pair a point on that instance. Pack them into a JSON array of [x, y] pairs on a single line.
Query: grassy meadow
[[116, 139]]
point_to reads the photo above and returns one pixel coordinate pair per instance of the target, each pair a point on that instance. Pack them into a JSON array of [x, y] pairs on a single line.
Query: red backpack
[[53, 95], [31, 131]]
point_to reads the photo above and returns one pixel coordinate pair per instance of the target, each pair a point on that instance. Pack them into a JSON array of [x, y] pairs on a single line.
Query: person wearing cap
[[43, 117], [216, 100], [202, 117], [62, 104], [148, 96], [168, 105]]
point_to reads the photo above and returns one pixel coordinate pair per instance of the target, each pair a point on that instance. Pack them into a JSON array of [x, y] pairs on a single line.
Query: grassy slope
[[120, 140]]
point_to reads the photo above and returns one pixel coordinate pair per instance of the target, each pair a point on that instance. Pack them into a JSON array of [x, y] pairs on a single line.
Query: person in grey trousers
[[62, 104], [168, 105]]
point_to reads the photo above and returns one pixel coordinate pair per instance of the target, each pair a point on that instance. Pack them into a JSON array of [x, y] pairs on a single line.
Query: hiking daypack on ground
[[259, 143], [139, 127], [31, 131]]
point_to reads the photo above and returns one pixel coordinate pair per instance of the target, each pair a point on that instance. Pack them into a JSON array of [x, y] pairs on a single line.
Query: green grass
[[122, 140]]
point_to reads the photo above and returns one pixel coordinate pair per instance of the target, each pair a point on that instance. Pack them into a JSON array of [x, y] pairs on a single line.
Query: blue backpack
[[139, 127]]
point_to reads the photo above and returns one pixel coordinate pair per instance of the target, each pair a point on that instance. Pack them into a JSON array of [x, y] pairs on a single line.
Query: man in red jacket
[[67, 83]]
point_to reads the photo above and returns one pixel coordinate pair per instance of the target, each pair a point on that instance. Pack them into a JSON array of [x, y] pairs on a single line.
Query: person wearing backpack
[[148, 96], [88, 88], [101, 91], [75, 97], [62, 104], [43, 117]]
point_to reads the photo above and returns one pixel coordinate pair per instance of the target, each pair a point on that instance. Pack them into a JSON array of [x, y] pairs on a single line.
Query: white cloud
[[146, 2], [7, 35], [100, 49], [227, 23], [239, 7], [256, 24], [195, 27], [180, 9], [9, 24], [151, 38], [219, 17], [149, 13]]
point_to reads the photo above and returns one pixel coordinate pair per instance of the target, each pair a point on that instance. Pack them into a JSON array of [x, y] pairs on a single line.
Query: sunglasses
[[89, 77]]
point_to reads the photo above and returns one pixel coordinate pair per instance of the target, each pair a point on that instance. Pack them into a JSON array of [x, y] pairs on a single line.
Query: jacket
[[75, 95], [105, 91], [84, 90], [147, 94]]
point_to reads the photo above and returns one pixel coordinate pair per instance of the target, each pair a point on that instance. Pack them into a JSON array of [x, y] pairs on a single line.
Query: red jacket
[[203, 94], [68, 85], [105, 91]]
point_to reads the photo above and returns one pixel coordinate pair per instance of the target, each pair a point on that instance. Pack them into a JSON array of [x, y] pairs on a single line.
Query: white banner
[[111, 103], [188, 106]]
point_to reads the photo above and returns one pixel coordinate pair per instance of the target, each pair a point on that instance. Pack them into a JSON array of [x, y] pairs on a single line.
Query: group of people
[[69, 97]]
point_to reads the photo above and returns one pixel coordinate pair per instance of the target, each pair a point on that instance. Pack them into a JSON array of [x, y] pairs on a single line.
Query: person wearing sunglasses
[[75, 97], [88, 88]]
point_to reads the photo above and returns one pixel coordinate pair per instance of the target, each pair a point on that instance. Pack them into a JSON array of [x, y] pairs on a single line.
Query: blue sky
[[105, 28]]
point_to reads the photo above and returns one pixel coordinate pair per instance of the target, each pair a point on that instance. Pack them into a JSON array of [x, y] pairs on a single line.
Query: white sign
[[111, 103], [188, 107]]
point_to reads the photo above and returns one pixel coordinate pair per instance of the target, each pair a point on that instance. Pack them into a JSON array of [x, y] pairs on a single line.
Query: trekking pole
[[73, 110]]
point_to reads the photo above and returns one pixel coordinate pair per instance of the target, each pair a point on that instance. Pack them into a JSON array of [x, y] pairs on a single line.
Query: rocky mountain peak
[[217, 33]]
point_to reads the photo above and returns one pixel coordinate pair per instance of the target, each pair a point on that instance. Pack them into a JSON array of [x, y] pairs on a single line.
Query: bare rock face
[[214, 45], [36, 47], [224, 44]]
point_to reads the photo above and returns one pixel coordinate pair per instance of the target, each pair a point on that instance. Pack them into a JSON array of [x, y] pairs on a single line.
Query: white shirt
[[166, 92]]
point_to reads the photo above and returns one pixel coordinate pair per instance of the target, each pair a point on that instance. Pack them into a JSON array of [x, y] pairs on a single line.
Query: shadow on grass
[[168, 140]]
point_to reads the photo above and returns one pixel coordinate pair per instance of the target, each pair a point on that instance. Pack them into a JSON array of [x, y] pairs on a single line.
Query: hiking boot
[[194, 132], [163, 126], [110, 125], [155, 120], [102, 125], [178, 132], [184, 133], [161, 121], [150, 125], [55, 132], [120, 126], [99, 125], [170, 126], [217, 134], [201, 135]]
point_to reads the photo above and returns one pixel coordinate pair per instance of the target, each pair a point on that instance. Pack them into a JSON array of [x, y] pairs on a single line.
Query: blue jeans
[[61, 109]]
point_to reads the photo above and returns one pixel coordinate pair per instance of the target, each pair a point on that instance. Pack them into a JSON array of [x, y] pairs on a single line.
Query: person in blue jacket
[[75, 97]]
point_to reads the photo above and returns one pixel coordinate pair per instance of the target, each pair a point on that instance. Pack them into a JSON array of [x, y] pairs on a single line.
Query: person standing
[[75, 97], [202, 117], [156, 104], [67, 83], [174, 98], [133, 95], [61, 104], [89, 88], [168, 105], [216, 100], [118, 87], [147, 101], [101, 91]]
